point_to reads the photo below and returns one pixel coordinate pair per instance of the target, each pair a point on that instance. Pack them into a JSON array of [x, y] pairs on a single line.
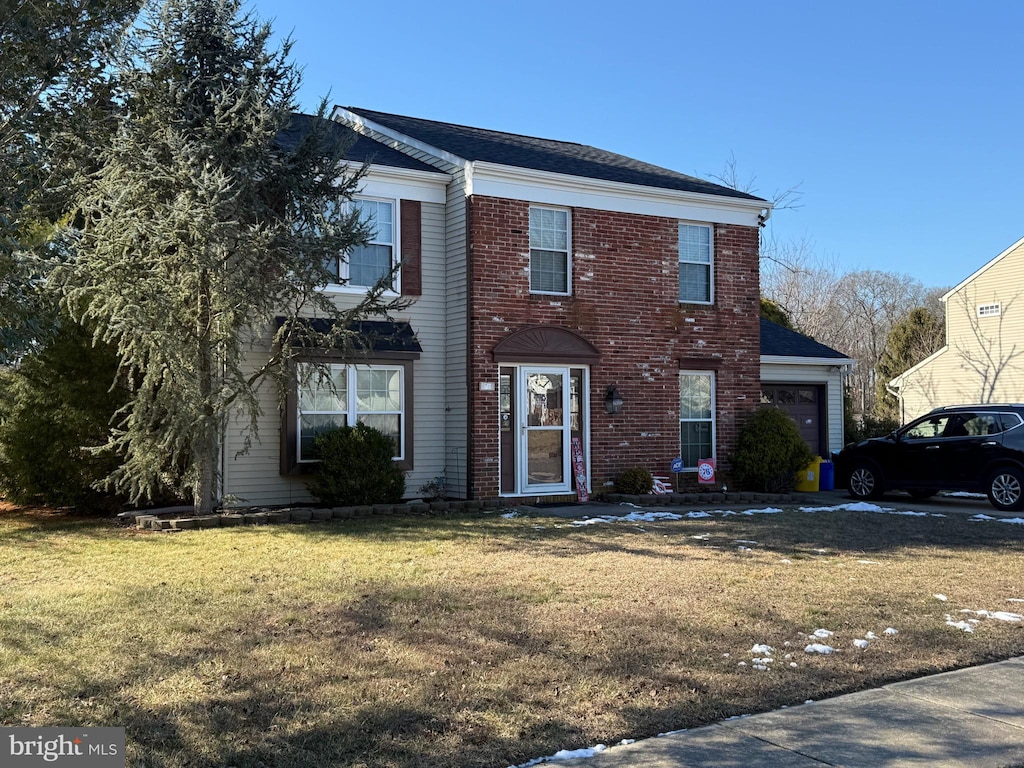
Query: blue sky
[[903, 123]]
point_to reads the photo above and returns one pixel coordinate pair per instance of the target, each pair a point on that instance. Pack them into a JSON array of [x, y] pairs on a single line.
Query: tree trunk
[[206, 445]]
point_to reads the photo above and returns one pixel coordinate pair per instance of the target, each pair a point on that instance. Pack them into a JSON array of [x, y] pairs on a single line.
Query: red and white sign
[[706, 471], [579, 470]]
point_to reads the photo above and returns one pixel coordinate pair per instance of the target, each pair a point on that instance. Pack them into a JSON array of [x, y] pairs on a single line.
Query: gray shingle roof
[[543, 154], [363, 149], [778, 341]]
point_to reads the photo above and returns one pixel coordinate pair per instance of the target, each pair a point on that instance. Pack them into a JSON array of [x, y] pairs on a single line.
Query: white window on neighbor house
[[350, 394], [550, 265], [696, 417], [366, 264], [696, 268], [990, 310]]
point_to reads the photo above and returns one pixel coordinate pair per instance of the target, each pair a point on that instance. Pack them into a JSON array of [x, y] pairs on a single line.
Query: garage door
[[804, 403]]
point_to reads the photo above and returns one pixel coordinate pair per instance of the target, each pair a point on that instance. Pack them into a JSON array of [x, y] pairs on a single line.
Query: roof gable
[[984, 268], [572, 159], [778, 341]]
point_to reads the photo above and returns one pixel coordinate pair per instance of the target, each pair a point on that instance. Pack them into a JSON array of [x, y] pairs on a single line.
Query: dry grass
[[472, 641]]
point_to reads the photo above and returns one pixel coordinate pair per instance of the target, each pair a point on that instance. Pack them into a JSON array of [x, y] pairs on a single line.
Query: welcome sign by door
[[579, 470]]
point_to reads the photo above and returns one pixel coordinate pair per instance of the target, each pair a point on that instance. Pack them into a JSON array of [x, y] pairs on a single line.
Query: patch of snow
[[1015, 599], [870, 636], [965, 495], [761, 649], [940, 597], [744, 541], [998, 615], [1012, 520], [980, 516], [823, 633], [868, 562], [786, 561], [819, 648], [891, 631], [792, 664], [963, 625], [743, 549], [695, 515], [511, 515], [862, 644]]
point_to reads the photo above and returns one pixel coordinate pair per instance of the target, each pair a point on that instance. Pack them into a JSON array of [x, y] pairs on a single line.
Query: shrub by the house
[[356, 467], [769, 452], [635, 480]]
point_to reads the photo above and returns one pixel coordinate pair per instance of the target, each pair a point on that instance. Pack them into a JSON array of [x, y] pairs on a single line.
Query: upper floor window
[[695, 263], [990, 310], [367, 264], [549, 251]]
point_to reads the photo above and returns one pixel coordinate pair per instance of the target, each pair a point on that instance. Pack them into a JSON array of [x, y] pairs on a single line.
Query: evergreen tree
[[199, 229], [914, 337], [55, 412], [52, 73]]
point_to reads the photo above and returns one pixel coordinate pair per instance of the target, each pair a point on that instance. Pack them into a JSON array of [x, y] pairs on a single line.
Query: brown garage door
[[804, 403]]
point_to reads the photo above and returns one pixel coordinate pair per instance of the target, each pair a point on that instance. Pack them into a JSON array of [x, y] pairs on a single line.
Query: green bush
[[56, 408], [769, 452], [356, 467], [634, 481]]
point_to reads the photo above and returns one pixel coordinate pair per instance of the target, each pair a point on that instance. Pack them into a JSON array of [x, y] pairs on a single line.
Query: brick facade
[[625, 302]]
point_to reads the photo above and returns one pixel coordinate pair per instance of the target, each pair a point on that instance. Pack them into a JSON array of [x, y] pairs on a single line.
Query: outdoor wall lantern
[[613, 400]]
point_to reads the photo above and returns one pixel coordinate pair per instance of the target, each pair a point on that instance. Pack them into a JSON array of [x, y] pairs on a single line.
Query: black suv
[[976, 448]]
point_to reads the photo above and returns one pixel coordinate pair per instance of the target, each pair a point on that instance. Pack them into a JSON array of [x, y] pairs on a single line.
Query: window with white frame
[[549, 251], [350, 394], [696, 417], [367, 264], [695, 263], [990, 310]]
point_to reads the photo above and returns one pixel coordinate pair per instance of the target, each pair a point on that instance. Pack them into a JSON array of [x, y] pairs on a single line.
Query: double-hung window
[[350, 394], [365, 265], [696, 273], [549, 251], [696, 417]]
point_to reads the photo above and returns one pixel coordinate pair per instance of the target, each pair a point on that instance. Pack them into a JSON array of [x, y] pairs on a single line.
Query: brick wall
[[625, 302]]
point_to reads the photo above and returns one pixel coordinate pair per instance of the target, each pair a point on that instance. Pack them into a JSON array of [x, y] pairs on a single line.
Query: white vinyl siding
[[696, 267], [254, 478], [550, 265]]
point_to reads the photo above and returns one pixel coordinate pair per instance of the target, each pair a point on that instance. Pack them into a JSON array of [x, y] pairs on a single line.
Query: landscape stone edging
[[259, 516]]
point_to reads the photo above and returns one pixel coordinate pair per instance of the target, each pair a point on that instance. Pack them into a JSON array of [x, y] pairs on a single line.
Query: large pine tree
[[199, 229]]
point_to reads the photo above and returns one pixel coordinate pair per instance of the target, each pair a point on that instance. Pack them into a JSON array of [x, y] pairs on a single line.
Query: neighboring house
[[983, 360], [547, 277], [805, 379]]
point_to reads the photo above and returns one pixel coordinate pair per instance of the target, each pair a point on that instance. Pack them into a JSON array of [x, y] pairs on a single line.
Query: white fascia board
[[787, 360], [513, 183], [984, 268], [367, 127], [403, 183]]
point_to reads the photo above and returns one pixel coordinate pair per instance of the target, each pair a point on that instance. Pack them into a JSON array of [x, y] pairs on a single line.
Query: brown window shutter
[[412, 261]]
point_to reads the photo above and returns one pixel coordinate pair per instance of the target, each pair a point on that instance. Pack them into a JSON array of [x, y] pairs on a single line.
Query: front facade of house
[[983, 359], [545, 277]]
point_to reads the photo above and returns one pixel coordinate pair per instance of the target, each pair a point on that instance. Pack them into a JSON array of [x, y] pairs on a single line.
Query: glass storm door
[[544, 430]]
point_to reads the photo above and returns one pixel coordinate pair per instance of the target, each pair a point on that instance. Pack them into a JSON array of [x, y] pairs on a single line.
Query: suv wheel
[[1006, 489], [865, 481]]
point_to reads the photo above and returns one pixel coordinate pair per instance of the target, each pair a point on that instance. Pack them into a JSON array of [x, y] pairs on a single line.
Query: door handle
[[989, 444], [932, 447]]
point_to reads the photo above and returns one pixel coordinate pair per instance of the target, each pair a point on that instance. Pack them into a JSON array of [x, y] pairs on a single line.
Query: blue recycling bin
[[827, 476]]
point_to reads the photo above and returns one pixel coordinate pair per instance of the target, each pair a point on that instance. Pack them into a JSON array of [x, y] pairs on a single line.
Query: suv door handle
[[932, 447], [989, 443]]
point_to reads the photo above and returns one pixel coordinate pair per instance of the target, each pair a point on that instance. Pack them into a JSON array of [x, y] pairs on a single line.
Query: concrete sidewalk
[[971, 718]]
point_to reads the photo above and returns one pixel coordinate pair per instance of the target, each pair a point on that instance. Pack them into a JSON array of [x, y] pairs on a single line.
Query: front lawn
[[479, 641]]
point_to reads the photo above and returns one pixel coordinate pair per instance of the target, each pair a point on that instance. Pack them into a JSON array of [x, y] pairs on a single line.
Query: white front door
[[545, 430]]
